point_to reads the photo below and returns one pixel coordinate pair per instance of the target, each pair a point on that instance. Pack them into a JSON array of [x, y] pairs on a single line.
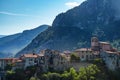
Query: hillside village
[[49, 60]]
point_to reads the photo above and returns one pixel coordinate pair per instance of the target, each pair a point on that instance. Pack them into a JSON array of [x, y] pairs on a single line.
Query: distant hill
[[13, 43], [74, 28], [2, 36]]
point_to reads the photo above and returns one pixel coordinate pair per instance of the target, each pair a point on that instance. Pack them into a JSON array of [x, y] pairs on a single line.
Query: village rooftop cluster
[[48, 60]]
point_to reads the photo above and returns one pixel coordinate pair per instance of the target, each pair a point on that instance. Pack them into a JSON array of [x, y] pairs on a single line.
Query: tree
[[73, 74], [33, 78], [65, 75], [54, 76], [88, 73], [51, 76], [10, 75], [44, 77]]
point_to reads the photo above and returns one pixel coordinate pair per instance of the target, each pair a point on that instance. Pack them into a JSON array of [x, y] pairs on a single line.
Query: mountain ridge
[[74, 28], [13, 43], [2, 36]]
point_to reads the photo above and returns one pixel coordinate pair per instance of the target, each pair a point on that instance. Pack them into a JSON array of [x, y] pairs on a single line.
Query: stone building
[[54, 60], [41, 62], [29, 59], [5, 61], [47, 60], [110, 56], [19, 64], [95, 45], [105, 46], [85, 54], [111, 59]]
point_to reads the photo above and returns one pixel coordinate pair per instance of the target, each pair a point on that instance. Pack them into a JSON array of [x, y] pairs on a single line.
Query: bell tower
[[95, 44]]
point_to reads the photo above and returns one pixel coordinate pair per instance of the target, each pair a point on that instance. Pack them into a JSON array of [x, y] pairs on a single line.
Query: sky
[[19, 15]]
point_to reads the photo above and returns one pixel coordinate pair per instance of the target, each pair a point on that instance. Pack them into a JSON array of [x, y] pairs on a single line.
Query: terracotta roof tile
[[19, 60], [30, 55]]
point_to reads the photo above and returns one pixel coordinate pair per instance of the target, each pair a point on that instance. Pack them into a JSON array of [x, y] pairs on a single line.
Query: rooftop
[[111, 52], [83, 49], [8, 58], [41, 55], [104, 43], [67, 51], [19, 60], [30, 55]]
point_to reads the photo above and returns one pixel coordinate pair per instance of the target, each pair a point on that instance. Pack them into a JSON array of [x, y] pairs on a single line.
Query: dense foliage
[[96, 71], [86, 73], [20, 74]]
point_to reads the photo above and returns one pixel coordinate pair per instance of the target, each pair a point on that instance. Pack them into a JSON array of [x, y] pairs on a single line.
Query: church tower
[[95, 44]]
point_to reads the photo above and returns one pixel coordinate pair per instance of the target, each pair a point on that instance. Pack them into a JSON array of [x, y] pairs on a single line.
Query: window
[[87, 56], [30, 59], [82, 56], [90, 56]]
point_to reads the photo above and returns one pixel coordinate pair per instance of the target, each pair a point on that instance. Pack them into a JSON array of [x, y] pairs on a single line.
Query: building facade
[[5, 61], [54, 60], [50, 60], [84, 54], [110, 56], [111, 59], [29, 59]]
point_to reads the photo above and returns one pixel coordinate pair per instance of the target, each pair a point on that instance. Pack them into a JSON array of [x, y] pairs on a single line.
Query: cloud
[[72, 4], [16, 14]]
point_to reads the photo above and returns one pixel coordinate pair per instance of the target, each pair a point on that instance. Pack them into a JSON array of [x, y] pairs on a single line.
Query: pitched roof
[[8, 58], [111, 52], [67, 52], [40, 54], [13, 60], [83, 49], [19, 60], [30, 55], [104, 43]]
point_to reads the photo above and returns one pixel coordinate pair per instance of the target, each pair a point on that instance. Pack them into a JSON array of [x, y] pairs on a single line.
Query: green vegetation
[[86, 73], [33, 78], [96, 71], [105, 73], [20, 74], [16, 75]]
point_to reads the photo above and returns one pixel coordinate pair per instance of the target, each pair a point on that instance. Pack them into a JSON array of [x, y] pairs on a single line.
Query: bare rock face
[[88, 13]]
